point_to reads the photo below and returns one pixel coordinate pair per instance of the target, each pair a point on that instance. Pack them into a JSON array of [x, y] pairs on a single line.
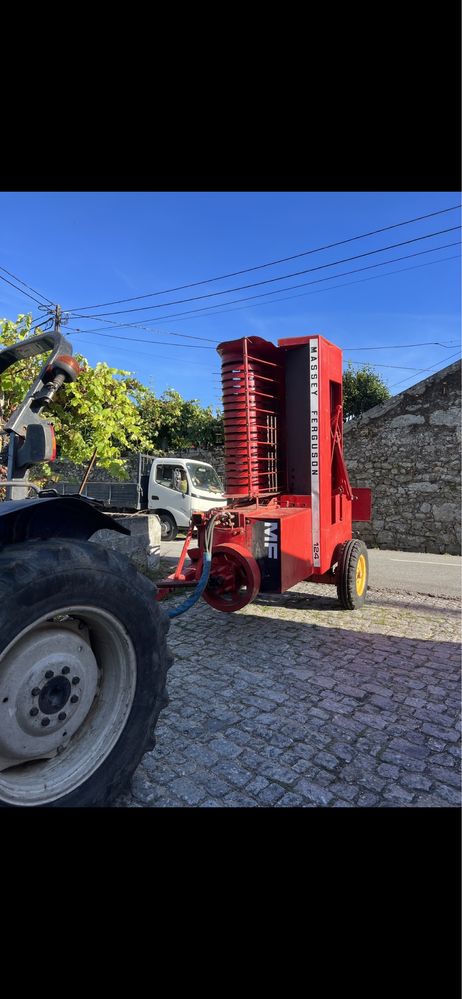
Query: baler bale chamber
[[291, 505]]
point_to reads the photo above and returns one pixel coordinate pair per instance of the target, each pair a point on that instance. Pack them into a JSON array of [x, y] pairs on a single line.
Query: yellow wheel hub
[[361, 574]]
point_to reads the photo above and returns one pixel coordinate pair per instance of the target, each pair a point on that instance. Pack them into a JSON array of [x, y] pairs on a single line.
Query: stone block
[[141, 546]]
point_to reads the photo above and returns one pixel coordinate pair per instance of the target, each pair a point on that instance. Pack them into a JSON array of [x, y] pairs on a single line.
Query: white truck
[[173, 488], [179, 487]]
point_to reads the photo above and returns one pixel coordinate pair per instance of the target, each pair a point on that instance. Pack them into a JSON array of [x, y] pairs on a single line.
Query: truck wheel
[[353, 574], [83, 667], [168, 528]]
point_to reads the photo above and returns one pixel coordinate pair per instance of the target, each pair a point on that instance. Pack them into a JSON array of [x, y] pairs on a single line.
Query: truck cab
[[179, 487]]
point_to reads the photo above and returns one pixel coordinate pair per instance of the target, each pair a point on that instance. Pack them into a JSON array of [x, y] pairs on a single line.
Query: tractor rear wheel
[[352, 574], [83, 666]]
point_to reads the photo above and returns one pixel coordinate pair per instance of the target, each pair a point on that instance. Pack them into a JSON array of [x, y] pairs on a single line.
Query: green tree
[[171, 422], [362, 389], [98, 410]]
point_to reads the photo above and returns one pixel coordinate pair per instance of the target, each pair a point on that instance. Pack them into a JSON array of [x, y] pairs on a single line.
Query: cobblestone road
[[294, 702]]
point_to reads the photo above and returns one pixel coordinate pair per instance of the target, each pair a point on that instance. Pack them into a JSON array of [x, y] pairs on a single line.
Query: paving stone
[[314, 792], [344, 791], [342, 751], [388, 770], [416, 781], [232, 773], [451, 795], [326, 760], [397, 793], [446, 735], [190, 792], [256, 785], [290, 800], [367, 800], [270, 795], [409, 749], [223, 748], [213, 785], [290, 704], [444, 775]]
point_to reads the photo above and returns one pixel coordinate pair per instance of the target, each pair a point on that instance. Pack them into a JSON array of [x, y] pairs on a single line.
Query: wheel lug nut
[[65, 670], [49, 673], [75, 679], [74, 699], [62, 715], [45, 722], [33, 712], [35, 692]]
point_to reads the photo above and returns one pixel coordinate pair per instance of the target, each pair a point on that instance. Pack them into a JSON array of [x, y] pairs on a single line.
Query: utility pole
[[58, 315]]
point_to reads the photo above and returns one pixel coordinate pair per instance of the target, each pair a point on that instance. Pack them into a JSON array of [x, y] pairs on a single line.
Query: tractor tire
[[83, 665], [353, 574]]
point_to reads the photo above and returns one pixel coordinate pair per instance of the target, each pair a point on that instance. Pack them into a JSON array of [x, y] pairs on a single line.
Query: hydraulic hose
[[207, 562], [198, 591]]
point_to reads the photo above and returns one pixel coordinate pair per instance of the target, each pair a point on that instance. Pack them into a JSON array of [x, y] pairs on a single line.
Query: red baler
[[291, 503]]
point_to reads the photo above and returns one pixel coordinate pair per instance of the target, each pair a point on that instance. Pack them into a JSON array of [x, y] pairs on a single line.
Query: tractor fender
[[46, 517]]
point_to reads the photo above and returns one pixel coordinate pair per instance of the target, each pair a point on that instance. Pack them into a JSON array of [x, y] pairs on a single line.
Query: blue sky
[[85, 248]]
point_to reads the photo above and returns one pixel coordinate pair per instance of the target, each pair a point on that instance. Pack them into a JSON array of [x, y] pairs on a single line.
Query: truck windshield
[[204, 477]]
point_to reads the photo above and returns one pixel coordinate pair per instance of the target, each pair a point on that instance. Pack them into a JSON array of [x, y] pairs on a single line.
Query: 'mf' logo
[[271, 539]]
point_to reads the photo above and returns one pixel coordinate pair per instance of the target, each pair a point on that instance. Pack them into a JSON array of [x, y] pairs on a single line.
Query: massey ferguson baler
[[291, 503]]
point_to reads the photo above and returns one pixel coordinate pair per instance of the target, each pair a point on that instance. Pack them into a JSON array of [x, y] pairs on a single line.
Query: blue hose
[[198, 591]]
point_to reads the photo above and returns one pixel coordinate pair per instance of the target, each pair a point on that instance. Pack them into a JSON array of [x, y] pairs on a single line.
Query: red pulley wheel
[[234, 578]]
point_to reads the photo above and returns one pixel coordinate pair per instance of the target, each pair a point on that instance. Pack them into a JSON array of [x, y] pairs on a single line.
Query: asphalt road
[[408, 572], [415, 572]]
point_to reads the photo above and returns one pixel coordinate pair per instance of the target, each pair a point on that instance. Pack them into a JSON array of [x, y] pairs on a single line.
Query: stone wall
[[67, 471], [408, 452]]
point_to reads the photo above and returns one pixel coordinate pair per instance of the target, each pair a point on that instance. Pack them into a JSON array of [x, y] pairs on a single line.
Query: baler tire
[[352, 561], [79, 589]]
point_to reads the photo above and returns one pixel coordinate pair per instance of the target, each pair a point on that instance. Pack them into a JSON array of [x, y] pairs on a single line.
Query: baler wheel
[[353, 574], [234, 580]]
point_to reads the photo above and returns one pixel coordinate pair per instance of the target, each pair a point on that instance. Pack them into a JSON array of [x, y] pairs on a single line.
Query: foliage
[[172, 423], [362, 389], [96, 411]]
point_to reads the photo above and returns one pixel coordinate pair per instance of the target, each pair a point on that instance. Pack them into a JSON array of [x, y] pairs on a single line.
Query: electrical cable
[[271, 263], [26, 286], [284, 277], [303, 284], [36, 300], [153, 343], [208, 313], [426, 369]]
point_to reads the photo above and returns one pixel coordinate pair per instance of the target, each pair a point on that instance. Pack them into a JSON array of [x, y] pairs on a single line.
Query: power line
[[398, 346], [303, 284], [284, 277], [142, 353], [208, 313], [26, 286], [426, 369], [149, 329], [19, 289], [272, 263], [153, 343]]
